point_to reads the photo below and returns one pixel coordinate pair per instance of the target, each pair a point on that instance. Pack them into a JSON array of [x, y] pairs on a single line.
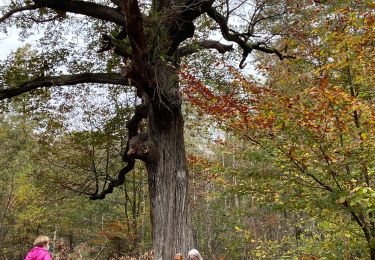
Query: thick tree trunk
[[168, 185]]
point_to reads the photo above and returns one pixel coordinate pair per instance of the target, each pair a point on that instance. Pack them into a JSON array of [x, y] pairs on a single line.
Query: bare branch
[[247, 47], [17, 10], [209, 44], [64, 80], [229, 12], [86, 8]]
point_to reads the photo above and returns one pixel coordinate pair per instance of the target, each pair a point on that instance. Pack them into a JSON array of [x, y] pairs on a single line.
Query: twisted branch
[[133, 126], [232, 36]]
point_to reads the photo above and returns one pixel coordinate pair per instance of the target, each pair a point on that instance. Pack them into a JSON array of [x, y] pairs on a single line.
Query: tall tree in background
[[145, 40]]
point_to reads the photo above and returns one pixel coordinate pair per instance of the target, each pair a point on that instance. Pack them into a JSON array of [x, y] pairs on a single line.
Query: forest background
[[281, 159]]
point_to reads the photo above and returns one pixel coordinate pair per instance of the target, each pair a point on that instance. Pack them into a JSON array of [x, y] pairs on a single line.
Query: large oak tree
[[149, 39]]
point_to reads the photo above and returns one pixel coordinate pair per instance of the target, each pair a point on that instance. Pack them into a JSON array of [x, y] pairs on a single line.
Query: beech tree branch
[[303, 169], [64, 80], [86, 8], [209, 44], [17, 10], [247, 47]]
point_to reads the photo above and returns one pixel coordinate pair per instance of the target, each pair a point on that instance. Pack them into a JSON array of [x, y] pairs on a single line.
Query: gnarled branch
[[183, 26], [247, 47], [86, 8], [133, 126], [64, 80], [114, 183], [209, 44]]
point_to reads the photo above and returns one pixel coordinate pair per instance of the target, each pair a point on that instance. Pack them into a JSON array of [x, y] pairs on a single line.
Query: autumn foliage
[[315, 115]]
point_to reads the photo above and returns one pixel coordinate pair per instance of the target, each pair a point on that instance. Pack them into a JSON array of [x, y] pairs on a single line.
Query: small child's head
[[41, 241]]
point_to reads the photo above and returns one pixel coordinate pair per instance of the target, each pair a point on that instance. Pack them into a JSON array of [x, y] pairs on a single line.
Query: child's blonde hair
[[41, 241]]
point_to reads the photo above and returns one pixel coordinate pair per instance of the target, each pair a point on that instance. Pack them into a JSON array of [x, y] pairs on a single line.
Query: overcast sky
[[8, 43]]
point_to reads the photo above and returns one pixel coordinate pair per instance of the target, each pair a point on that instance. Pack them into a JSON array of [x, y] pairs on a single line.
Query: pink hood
[[38, 253]]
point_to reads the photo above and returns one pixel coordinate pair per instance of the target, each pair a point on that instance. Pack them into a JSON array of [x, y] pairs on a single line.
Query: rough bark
[[168, 185]]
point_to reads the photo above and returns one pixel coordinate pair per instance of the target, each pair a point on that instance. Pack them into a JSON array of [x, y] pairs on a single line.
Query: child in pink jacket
[[40, 250]]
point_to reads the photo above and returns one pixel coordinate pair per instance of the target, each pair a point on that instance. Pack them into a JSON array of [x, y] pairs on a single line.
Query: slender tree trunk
[[168, 184]]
